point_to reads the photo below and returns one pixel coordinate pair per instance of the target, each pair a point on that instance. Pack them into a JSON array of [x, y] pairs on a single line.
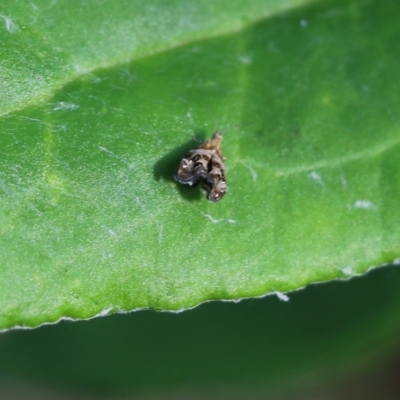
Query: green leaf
[[100, 103]]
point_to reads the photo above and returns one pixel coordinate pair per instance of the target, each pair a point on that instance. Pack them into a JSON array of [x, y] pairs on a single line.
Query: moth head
[[217, 136], [185, 171]]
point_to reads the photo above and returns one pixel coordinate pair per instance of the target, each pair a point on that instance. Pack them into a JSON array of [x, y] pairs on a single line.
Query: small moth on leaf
[[205, 165]]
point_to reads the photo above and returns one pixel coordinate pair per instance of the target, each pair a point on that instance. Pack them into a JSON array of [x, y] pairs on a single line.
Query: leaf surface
[[100, 104]]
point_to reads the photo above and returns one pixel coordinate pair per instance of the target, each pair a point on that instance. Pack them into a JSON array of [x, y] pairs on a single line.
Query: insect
[[205, 165]]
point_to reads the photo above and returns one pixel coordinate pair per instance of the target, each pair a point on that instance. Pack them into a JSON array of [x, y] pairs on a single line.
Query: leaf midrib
[[368, 153], [150, 52]]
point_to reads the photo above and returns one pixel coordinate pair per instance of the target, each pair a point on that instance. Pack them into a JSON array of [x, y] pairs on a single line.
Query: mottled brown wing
[[205, 164], [217, 191], [193, 167], [216, 181]]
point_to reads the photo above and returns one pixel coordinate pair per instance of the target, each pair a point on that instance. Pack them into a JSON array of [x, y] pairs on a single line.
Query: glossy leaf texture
[[102, 102]]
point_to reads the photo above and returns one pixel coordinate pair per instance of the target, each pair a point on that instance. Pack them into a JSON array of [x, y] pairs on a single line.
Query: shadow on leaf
[[166, 167]]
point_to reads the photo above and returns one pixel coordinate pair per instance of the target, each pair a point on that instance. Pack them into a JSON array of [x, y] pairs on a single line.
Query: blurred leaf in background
[[256, 346]]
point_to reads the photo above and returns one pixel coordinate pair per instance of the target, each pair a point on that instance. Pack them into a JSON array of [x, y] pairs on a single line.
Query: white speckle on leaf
[[348, 270], [246, 59], [116, 156], [343, 181], [34, 6], [282, 296], [364, 204], [95, 78], [138, 202], [127, 74], [303, 23], [107, 151], [30, 119], [81, 70], [213, 220], [316, 177], [106, 256], [216, 221], [34, 208], [61, 128], [62, 105], [10, 25], [253, 172], [104, 312], [189, 116], [111, 232]]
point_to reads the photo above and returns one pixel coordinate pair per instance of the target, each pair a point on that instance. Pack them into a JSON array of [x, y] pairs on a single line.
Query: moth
[[205, 165]]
